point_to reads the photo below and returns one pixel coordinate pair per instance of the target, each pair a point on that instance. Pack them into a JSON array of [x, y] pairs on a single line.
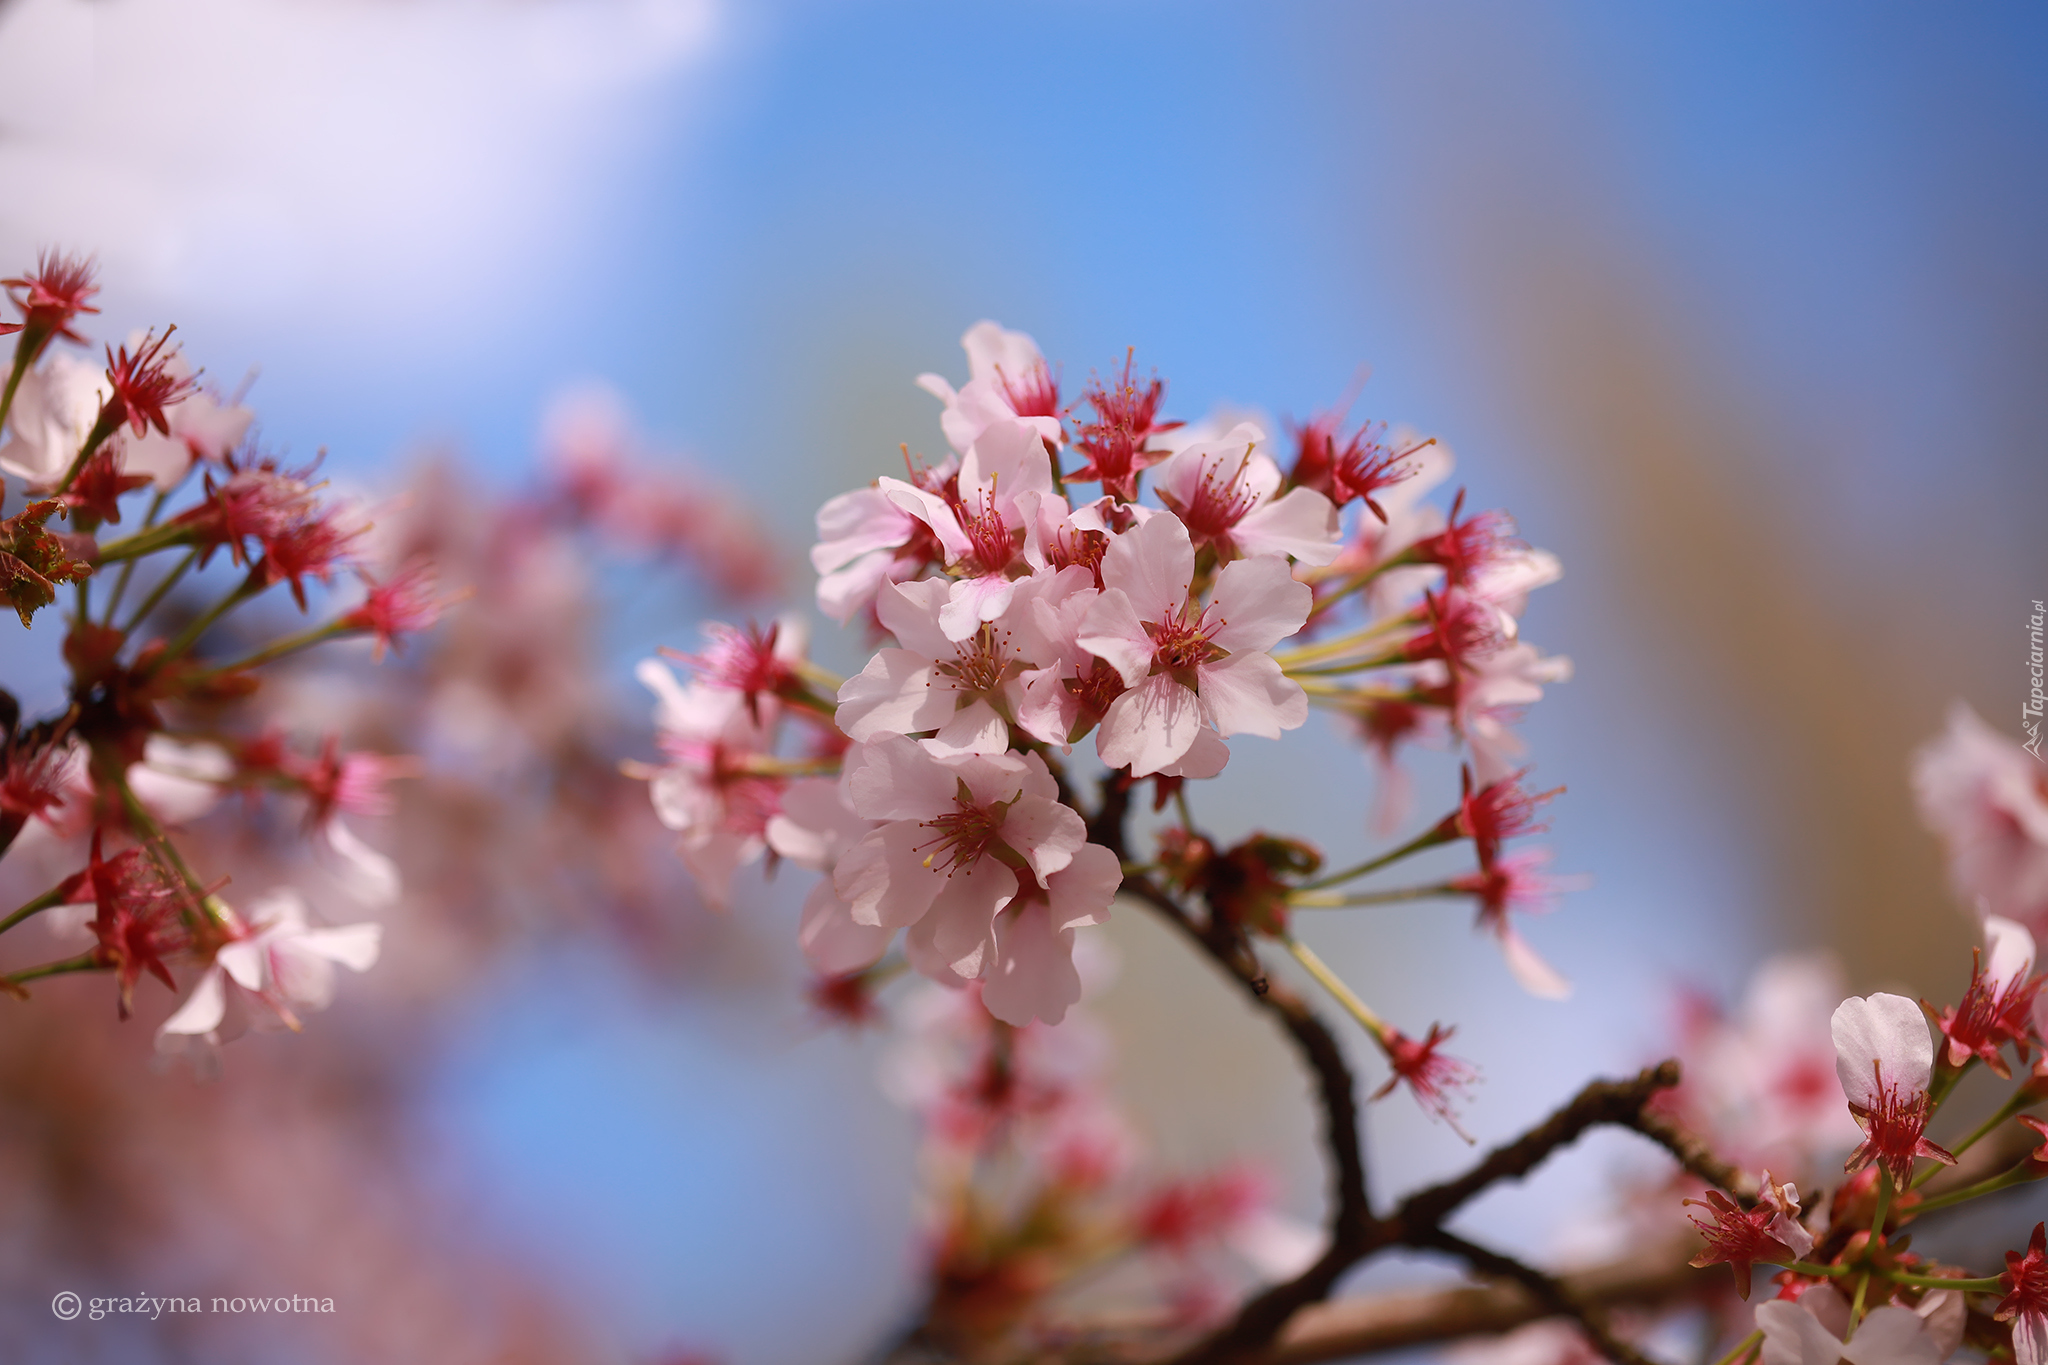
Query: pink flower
[[1434, 1077], [865, 540], [404, 604], [1189, 668], [1032, 975], [279, 958], [1998, 1006], [54, 409], [953, 837], [968, 690], [2025, 1304], [199, 427], [52, 295], [1987, 800], [1487, 697], [1814, 1330], [1223, 492], [1886, 1061], [1117, 446], [1516, 883], [982, 523], [709, 792], [814, 829], [1008, 383], [1738, 1237]]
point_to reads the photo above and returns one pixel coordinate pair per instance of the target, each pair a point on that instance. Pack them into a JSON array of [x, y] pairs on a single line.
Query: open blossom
[[1885, 1061], [865, 540], [280, 959], [1189, 668], [1008, 383], [967, 690], [1488, 697], [54, 410], [708, 792], [1118, 445], [982, 524], [1738, 1237], [814, 829], [1987, 800], [199, 426], [979, 860], [50, 297], [1814, 1330], [1224, 492], [1998, 1006], [2025, 1304]]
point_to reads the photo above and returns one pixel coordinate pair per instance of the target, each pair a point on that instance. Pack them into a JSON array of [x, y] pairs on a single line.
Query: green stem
[[156, 506], [306, 639], [2018, 1100], [84, 962], [159, 592], [1325, 900], [1385, 660], [160, 844], [1429, 838], [94, 439], [2021, 1174], [189, 636], [1884, 1204], [54, 896], [1829, 1271], [1856, 1308], [24, 356], [1334, 984], [1742, 1348], [1343, 644], [144, 542], [1180, 804], [1990, 1284]]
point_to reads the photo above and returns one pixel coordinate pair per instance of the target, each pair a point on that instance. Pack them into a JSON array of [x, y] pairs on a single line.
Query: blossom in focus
[[1986, 798], [1008, 382], [1189, 667], [1739, 1237], [953, 837], [1885, 1061], [982, 525], [1224, 493]]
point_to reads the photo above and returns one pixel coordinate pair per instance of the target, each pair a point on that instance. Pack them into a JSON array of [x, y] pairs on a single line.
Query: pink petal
[[910, 612], [1149, 726], [1247, 694], [884, 879], [1112, 631], [897, 780], [830, 939], [1302, 524], [896, 693], [1259, 603], [1081, 892], [1045, 832], [1032, 976], [1152, 564], [974, 729]]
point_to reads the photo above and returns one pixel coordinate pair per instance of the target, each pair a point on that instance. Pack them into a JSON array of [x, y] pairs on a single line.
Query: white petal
[[354, 946], [1032, 976], [203, 1009], [1793, 1336], [1149, 727], [1538, 977], [1247, 694], [1112, 631], [895, 694], [1260, 603], [2010, 951], [830, 939], [975, 729], [1888, 1030], [1892, 1336], [370, 877], [1152, 564], [1302, 524]]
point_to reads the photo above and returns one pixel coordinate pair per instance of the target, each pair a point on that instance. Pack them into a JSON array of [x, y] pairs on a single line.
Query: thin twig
[[1546, 1290]]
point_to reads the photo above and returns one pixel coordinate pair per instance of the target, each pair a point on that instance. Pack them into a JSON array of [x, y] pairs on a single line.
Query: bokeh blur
[[1741, 309]]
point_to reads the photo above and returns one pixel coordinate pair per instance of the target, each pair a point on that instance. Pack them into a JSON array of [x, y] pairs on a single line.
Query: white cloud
[[350, 159]]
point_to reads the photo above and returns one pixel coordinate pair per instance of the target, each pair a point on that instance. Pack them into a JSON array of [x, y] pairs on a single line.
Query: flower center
[[960, 838], [1181, 642]]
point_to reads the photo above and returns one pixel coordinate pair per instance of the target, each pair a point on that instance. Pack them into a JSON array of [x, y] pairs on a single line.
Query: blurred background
[[1742, 310]]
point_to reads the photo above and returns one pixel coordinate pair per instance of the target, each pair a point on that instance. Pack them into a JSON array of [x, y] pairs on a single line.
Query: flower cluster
[[160, 663], [1206, 589]]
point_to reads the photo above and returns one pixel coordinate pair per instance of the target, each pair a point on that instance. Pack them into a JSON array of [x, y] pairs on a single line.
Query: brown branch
[[1601, 1102], [1694, 1155], [1344, 1328], [1547, 1291]]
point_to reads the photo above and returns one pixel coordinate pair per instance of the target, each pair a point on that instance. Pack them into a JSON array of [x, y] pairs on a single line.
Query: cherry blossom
[[1739, 1237], [1987, 800], [280, 959], [981, 525], [953, 837], [1998, 1005], [708, 792], [814, 829], [1885, 1061], [1032, 974], [865, 539], [54, 410], [1190, 667], [1008, 384], [1224, 493], [1814, 1330], [2025, 1304]]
